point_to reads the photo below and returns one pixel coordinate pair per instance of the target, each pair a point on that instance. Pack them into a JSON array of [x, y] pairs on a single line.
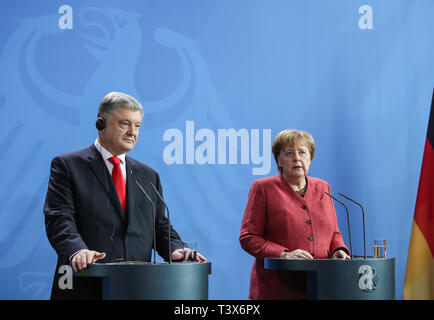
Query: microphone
[[348, 221], [153, 209], [363, 216], [168, 220]]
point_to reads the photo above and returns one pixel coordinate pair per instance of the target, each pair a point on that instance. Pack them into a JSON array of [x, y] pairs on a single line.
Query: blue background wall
[[360, 82]]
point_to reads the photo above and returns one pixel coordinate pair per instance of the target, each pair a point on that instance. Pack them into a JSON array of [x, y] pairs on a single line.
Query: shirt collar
[[106, 154]]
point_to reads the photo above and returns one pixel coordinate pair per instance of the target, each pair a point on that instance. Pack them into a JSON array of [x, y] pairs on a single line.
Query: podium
[[147, 281], [333, 279]]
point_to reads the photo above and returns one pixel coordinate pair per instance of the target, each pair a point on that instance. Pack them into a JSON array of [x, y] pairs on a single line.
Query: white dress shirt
[[106, 155]]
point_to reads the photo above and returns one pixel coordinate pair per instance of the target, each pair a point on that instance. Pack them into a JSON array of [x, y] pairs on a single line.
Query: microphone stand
[[348, 221], [153, 208], [168, 221], [363, 215]]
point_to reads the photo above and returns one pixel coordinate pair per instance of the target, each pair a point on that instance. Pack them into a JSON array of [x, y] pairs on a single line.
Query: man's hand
[[85, 257], [178, 255]]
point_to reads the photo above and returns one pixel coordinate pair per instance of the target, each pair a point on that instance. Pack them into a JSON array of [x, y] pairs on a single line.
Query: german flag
[[419, 276]]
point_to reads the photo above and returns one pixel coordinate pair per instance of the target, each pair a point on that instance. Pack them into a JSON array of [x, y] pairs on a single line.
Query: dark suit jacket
[[82, 211]]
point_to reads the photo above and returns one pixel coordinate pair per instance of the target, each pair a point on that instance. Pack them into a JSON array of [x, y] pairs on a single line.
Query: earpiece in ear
[[100, 124]]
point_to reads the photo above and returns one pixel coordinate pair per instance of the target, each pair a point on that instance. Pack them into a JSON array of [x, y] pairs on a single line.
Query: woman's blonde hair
[[287, 138]]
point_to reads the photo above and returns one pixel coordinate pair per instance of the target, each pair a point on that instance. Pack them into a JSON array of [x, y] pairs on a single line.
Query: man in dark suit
[[95, 208]]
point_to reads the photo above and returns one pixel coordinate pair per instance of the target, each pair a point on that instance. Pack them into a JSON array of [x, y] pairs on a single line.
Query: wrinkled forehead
[[296, 142], [126, 112]]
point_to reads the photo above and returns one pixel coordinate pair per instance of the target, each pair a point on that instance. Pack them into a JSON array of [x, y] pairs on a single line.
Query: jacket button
[[308, 222], [304, 207], [311, 238]]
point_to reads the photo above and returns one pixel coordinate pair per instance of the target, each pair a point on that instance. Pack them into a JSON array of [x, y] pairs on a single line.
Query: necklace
[[302, 191]]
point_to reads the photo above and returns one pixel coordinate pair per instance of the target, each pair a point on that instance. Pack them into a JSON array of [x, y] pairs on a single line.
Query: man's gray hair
[[114, 100]]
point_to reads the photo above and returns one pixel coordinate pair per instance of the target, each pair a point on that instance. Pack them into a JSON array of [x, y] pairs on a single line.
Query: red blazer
[[277, 218]]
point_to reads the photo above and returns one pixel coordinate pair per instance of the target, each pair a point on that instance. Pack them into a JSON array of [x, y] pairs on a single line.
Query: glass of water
[[190, 251], [380, 248]]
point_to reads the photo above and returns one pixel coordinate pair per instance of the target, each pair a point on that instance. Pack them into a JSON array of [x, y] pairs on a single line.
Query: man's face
[[122, 131]]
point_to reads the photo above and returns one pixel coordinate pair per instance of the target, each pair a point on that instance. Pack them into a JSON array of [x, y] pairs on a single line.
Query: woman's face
[[295, 160]]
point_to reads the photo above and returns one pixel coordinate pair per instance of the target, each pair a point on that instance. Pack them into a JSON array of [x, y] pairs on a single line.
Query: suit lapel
[[131, 172], [99, 169]]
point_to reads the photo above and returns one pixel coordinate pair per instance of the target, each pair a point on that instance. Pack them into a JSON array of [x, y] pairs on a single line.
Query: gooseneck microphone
[[168, 220], [348, 221], [153, 209], [363, 216]]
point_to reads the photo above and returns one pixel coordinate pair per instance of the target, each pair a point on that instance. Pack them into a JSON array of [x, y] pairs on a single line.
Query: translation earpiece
[[100, 124]]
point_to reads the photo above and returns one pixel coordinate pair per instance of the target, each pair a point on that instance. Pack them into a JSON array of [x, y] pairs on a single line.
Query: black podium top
[[149, 281], [109, 269], [316, 264], [364, 279]]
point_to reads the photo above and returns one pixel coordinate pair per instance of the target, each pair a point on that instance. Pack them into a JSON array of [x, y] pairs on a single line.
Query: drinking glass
[[380, 248]]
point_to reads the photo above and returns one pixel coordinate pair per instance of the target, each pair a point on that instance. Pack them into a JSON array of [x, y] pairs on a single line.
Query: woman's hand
[[340, 254], [296, 254]]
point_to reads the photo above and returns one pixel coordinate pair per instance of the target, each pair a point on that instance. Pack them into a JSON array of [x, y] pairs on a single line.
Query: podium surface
[[148, 281], [334, 279]]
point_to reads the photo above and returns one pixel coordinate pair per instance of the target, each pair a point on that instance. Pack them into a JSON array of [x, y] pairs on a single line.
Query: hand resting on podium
[[340, 254], [178, 255], [85, 257], [302, 254]]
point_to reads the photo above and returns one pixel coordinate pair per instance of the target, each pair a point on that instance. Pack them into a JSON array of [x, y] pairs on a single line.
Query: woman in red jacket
[[289, 216]]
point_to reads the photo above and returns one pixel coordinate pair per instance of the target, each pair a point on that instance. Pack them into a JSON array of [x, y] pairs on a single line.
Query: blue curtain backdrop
[[356, 74]]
